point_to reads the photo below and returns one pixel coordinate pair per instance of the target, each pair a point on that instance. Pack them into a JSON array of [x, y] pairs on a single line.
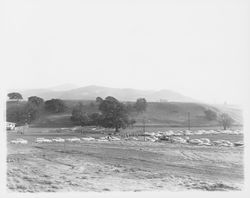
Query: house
[[10, 126]]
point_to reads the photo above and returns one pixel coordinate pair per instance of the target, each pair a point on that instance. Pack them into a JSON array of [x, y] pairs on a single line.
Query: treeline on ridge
[[111, 113], [108, 112]]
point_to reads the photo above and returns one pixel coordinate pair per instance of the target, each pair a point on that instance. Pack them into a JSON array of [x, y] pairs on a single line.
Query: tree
[[23, 113], [225, 120], [15, 96], [131, 122], [96, 119], [15, 114], [210, 114], [140, 105], [84, 120], [92, 104], [114, 114], [130, 108], [30, 112], [77, 112], [79, 116], [98, 100], [55, 106], [36, 101]]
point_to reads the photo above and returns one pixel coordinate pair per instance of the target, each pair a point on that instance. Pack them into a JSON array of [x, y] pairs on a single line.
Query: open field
[[123, 165]]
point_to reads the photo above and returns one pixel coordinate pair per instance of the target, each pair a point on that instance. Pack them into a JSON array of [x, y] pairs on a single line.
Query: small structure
[[10, 126], [22, 129]]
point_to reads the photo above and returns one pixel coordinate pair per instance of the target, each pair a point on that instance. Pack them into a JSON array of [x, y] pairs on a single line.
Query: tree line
[[111, 113], [29, 111]]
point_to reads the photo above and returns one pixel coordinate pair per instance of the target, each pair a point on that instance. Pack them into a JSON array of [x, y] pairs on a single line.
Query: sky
[[199, 48]]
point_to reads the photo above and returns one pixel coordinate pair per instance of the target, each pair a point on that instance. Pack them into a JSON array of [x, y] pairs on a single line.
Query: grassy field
[[124, 165], [161, 114]]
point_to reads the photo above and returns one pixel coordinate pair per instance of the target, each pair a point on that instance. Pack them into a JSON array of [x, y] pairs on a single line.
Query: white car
[[151, 139], [179, 140], [195, 141], [75, 139], [88, 138], [115, 138], [47, 140], [205, 144], [39, 140], [169, 133], [149, 133], [223, 143], [19, 141], [102, 140], [43, 140], [205, 140], [58, 140]]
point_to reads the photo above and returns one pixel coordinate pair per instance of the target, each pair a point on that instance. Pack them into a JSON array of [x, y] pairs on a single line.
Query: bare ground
[[123, 166]]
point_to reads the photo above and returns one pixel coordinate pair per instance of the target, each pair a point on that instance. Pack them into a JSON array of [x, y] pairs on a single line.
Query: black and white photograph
[[141, 97]]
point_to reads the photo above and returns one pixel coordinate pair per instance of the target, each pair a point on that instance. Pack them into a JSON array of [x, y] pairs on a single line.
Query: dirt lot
[[120, 166]]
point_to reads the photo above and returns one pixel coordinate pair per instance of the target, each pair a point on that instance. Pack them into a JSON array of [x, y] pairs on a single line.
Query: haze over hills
[[69, 92], [63, 87]]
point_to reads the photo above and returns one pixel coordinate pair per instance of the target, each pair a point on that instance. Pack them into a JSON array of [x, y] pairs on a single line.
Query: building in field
[[10, 126]]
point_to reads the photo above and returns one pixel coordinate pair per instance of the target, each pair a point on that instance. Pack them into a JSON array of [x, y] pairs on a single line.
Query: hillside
[[176, 114], [234, 111], [91, 92], [166, 114]]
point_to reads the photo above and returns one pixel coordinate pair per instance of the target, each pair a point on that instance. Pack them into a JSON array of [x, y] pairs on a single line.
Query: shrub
[[55, 106], [210, 114]]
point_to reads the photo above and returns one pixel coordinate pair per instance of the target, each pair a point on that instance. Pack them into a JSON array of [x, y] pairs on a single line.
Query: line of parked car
[[182, 138]]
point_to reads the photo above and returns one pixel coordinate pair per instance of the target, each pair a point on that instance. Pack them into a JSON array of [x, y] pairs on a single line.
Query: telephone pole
[[188, 120], [143, 124], [143, 127]]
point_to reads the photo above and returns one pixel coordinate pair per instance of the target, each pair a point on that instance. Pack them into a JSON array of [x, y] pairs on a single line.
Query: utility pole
[[188, 120], [143, 127], [143, 124]]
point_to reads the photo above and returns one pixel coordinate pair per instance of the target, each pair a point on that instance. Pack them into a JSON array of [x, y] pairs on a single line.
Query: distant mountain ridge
[[91, 92]]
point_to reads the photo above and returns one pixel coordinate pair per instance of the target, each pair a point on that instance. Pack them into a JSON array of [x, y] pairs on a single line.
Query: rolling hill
[[171, 111], [172, 114], [91, 92]]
